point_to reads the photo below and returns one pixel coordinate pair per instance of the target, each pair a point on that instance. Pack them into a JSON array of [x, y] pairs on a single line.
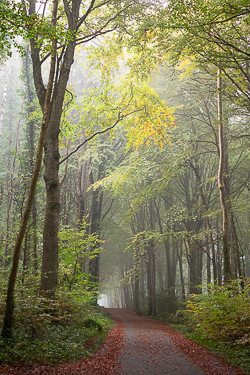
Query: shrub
[[52, 331], [165, 304], [223, 313]]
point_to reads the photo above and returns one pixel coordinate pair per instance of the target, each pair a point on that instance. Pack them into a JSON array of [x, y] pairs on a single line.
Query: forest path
[[138, 345], [148, 350]]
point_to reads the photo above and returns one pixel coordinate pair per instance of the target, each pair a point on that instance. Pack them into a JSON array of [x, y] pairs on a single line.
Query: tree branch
[[120, 118]]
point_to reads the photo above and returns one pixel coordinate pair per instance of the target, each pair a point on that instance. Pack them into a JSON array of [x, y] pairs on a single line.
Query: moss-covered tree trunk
[[8, 319], [51, 151]]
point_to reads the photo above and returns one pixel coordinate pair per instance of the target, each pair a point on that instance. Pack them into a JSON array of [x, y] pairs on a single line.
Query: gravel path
[[148, 350]]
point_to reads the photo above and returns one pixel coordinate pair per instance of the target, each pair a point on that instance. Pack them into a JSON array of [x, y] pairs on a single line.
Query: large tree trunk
[[51, 175], [52, 211], [51, 150], [8, 319]]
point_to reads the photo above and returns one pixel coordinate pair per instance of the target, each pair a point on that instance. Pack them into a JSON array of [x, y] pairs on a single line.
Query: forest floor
[[138, 345]]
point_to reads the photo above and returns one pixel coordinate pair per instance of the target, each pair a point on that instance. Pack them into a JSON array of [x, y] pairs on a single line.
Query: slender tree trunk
[[3, 104], [8, 319], [193, 268], [179, 255], [171, 266], [31, 138], [136, 294], [199, 265], [208, 226], [237, 269], [95, 226], [151, 279], [150, 248], [219, 257], [221, 184], [208, 260]]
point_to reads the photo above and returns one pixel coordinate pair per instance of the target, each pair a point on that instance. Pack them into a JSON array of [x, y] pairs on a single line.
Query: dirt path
[[137, 345]]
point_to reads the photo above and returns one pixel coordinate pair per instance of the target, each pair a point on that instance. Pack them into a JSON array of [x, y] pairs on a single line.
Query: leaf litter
[[106, 359]]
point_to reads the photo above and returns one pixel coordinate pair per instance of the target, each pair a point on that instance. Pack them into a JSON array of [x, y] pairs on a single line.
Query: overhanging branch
[[120, 118]]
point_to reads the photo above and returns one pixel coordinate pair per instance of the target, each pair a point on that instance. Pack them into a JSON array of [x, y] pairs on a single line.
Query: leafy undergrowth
[[237, 355], [103, 362], [65, 329], [220, 322]]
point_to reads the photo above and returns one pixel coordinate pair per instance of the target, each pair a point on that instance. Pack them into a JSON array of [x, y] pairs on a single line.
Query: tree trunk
[[179, 255], [237, 269], [8, 319], [95, 225], [171, 257], [51, 177], [51, 150], [208, 227], [219, 257], [31, 146], [151, 279], [136, 294], [150, 249], [221, 184]]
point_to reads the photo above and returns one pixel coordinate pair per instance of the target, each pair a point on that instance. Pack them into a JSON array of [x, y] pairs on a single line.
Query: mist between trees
[[144, 184]]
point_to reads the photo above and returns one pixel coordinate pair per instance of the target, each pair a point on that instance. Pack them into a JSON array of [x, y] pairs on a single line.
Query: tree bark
[[150, 249], [151, 279], [8, 319], [51, 161], [221, 184], [179, 255], [31, 146], [208, 226], [95, 224]]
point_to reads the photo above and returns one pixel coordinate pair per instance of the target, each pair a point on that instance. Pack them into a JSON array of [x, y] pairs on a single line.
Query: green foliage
[[223, 313], [76, 246], [218, 321], [146, 117], [209, 33], [52, 331], [166, 304], [92, 323]]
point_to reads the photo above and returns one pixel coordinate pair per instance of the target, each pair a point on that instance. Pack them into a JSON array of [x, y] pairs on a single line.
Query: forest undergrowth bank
[[67, 328], [218, 321]]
